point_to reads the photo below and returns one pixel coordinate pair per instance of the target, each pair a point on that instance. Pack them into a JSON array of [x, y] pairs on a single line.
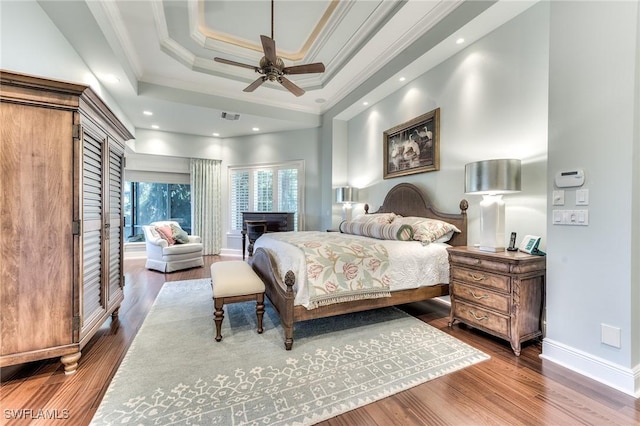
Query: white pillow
[[428, 230]]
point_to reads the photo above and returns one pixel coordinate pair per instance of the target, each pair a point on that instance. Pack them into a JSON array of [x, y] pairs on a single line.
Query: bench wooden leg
[[260, 310], [218, 316]]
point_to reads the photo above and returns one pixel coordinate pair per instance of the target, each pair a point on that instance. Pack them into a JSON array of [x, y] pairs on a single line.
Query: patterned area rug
[[176, 373]]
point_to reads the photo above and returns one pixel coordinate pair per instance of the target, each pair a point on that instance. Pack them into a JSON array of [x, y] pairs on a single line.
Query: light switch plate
[[582, 197], [558, 197], [570, 217]]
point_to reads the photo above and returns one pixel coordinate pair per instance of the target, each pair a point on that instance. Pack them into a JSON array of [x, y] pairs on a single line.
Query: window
[[265, 188], [146, 202]]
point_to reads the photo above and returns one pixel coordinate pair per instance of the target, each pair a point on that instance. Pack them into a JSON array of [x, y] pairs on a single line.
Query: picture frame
[[412, 147]]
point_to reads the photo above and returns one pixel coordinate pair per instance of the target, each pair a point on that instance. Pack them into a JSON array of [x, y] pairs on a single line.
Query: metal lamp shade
[[493, 177], [345, 194]]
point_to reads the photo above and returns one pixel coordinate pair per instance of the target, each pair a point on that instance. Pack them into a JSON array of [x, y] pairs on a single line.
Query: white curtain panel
[[206, 199]]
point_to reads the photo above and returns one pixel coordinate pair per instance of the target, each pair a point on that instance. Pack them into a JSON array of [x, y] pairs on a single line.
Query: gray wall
[[558, 87], [593, 272], [249, 150], [284, 146], [39, 48], [493, 104]]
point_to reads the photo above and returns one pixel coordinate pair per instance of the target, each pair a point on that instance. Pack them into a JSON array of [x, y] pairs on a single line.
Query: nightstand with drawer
[[499, 293]]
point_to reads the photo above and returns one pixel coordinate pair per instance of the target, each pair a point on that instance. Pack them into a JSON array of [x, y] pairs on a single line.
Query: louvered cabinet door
[[115, 227], [93, 298]]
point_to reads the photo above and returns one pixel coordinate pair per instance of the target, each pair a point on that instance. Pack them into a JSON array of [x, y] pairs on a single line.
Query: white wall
[[635, 229], [249, 150], [39, 48], [284, 146], [156, 164], [493, 104], [177, 145], [592, 271]]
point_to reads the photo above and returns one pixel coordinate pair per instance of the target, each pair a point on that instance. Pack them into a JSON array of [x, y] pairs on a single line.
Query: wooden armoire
[[61, 218]]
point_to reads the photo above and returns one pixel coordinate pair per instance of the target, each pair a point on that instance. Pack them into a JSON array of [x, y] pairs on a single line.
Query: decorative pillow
[[179, 234], [381, 231], [375, 218], [166, 233], [428, 230]]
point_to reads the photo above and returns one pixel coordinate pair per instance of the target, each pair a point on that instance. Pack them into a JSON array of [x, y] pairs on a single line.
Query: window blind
[[275, 187]]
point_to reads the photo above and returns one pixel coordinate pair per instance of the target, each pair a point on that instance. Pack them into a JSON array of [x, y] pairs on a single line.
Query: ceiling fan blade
[[269, 47], [305, 68], [288, 84], [234, 63], [253, 86]]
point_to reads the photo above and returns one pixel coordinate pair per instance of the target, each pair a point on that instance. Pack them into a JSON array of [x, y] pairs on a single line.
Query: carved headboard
[[407, 199]]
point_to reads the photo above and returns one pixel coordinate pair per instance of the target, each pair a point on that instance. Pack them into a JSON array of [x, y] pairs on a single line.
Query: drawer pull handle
[[477, 277], [477, 318], [475, 296]]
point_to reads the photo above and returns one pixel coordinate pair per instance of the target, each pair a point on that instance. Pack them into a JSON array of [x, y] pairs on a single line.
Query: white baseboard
[[231, 252], [139, 251], [613, 375]]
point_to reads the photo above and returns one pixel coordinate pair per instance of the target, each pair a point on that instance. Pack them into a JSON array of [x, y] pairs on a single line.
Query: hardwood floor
[[505, 390]]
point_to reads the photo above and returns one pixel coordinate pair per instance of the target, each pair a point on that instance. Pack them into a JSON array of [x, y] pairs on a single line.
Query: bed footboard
[[279, 293]]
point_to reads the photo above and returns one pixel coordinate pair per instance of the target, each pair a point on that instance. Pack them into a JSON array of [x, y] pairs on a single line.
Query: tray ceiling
[[162, 54]]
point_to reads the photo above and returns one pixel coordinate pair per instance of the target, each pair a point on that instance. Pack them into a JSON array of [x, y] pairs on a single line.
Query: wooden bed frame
[[404, 199]]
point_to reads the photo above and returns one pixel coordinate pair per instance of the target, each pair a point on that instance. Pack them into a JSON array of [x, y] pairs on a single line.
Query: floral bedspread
[[340, 269]]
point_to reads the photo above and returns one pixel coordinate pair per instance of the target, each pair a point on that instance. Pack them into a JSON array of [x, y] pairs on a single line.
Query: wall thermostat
[[570, 178]]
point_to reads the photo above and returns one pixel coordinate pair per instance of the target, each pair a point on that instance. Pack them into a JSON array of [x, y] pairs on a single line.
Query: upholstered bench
[[234, 281]]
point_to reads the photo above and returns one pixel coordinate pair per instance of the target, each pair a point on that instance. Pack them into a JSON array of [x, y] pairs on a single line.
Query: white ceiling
[[162, 54]]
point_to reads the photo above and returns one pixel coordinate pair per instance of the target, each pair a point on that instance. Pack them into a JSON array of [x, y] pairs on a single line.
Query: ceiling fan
[[272, 67]]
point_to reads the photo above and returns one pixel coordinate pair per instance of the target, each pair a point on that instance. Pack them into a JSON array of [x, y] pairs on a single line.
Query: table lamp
[[345, 195], [492, 179]]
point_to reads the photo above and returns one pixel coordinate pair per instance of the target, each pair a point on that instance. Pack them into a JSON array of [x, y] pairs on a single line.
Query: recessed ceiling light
[[365, 103], [321, 100], [216, 134], [401, 79], [256, 129], [155, 126], [460, 40], [147, 112]]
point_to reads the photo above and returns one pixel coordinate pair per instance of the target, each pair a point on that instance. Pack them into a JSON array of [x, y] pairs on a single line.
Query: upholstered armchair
[[170, 249]]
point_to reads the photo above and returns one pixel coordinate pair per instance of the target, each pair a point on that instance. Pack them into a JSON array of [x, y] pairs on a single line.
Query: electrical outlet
[[610, 335]]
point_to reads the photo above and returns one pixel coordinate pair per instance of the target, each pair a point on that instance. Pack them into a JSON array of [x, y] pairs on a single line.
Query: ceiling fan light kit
[[272, 67]]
